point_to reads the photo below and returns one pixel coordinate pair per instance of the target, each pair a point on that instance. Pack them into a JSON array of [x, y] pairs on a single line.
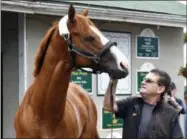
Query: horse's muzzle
[[118, 74]]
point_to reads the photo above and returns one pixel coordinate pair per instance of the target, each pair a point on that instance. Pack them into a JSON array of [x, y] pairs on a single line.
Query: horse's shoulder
[[76, 88], [77, 92]]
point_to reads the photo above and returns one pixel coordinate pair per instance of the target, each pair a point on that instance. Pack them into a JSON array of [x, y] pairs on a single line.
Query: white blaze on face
[[103, 39], [114, 50], [120, 57]]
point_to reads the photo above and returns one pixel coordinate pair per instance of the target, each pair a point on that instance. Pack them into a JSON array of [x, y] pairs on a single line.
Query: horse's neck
[[50, 90], [56, 93]]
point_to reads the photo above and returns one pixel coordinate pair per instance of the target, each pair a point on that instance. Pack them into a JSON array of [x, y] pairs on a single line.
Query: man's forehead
[[152, 76]]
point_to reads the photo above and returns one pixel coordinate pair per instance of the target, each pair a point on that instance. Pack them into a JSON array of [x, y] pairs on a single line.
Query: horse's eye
[[90, 38]]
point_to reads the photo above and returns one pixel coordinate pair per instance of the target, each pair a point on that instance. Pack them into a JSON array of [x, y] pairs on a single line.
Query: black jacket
[[163, 118], [179, 101]]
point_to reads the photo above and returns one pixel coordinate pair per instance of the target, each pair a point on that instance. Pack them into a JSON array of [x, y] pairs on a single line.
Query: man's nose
[[143, 82]]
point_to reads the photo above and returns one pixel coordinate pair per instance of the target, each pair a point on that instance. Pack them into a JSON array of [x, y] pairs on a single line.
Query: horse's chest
[[64, 129], [71, 126], [30, 122]]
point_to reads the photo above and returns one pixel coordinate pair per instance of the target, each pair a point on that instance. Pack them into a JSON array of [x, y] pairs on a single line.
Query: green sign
[[108, 118], [83, 79], [140, 76], [147, 47]]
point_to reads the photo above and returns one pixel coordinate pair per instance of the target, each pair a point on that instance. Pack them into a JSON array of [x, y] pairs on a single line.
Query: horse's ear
[[85, 12], [71, 13]]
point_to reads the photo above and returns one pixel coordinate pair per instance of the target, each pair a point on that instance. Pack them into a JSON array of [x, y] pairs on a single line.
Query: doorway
[[9, 72]]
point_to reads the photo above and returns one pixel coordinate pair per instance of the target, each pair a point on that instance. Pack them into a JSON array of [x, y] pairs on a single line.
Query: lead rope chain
[[112, 105]]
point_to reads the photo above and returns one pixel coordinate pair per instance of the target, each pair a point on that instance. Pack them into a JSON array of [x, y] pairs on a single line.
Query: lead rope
[[112, 105]]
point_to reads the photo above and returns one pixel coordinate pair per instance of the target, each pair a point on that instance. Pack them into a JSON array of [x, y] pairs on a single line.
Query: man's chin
[[142, 94]]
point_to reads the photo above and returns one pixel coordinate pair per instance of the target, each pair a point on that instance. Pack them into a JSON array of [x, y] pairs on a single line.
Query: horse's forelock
[[42, 50]]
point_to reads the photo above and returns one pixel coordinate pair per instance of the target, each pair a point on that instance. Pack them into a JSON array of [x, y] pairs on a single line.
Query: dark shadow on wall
[[10, 71]]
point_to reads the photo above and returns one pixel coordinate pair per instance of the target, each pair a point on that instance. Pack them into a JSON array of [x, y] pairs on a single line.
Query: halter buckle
[[96, 59], [66, 37]]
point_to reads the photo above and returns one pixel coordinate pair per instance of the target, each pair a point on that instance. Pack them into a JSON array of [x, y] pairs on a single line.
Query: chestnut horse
[[53, 107]]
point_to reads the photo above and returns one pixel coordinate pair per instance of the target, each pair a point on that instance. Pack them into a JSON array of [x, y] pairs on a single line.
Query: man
[[148, 116], [174, 101]]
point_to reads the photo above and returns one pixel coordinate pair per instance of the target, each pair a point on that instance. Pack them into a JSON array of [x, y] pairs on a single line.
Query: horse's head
[[89, 47]]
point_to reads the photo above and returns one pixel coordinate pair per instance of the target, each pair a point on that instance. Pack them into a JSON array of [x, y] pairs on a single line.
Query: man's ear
[[161, 89]]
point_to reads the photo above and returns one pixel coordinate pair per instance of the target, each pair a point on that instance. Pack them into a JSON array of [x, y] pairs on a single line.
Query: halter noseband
[[75, 50]]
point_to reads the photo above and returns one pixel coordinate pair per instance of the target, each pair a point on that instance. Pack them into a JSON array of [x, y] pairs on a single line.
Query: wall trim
[[95, 12]]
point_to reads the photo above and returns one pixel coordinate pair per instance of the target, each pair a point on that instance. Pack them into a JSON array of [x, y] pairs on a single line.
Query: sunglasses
[[147, 80]]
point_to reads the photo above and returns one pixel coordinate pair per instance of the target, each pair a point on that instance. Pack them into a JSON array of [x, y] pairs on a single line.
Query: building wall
[[10, 75], [171, 52]]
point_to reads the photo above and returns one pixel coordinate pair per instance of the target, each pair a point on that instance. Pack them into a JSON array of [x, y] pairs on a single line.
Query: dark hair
[[164, 80], [173, 86]]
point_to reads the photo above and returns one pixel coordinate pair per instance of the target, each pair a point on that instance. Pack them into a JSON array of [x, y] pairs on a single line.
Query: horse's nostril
[[122, 65]]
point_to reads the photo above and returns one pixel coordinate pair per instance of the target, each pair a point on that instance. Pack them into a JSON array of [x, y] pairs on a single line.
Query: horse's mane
[[42, 50]]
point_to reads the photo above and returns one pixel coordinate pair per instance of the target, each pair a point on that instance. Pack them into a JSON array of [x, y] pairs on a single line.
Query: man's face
[[150, 86]]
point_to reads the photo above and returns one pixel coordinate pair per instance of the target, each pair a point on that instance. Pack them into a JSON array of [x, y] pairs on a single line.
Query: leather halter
[[95, 57], [77, 51]]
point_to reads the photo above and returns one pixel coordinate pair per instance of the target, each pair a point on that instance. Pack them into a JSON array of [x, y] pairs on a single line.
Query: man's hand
[[172, 101], [107, 102], [113, 81]]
